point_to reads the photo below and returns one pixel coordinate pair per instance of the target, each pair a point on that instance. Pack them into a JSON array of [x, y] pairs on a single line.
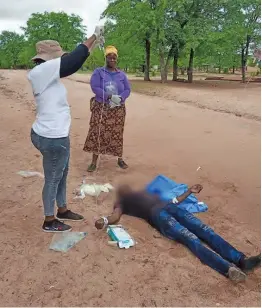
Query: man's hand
[[195, 189], [100, 224]]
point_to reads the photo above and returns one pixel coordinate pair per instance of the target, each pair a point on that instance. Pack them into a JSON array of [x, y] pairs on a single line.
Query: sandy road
[[160, 137]]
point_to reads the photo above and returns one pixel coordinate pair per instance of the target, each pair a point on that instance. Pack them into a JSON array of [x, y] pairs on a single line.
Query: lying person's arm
[[195, 189], [109, 220]]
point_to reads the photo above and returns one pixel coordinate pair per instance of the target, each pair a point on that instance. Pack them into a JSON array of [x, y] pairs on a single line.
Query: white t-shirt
[[53, 117]]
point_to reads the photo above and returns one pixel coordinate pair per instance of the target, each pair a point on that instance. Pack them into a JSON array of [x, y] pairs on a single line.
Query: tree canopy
[[213, 35]]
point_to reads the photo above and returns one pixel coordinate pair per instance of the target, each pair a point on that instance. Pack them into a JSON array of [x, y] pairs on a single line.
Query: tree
[[243, 24], [68, 30], [17, 50], [96, 59], [181, 23], [131, 55], [11, 45], [134, 26]]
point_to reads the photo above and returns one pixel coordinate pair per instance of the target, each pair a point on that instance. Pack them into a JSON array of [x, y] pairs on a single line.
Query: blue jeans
[[182, 226], [56, 153]]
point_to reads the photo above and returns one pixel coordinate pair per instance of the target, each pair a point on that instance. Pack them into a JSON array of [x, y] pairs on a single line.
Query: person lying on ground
[[50, 131], [178, 224]]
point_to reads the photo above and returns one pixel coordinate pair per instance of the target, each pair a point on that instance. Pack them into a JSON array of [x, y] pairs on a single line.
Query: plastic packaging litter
[[120, 236], [29, 174], [167, 189], [113, 104], [65, 241], [93, 190]]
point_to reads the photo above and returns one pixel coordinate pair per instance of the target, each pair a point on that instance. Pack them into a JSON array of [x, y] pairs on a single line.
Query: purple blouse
[[104, 83]]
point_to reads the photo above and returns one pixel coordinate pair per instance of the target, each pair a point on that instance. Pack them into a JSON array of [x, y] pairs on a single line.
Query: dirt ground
[[163, 135]]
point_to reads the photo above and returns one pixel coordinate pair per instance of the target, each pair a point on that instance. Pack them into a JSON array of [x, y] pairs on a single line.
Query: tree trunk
[[163, 63], [233, 69], [190, 66], [243, 64], [244, 56], [175, 67], [147, 62], [163, 68]]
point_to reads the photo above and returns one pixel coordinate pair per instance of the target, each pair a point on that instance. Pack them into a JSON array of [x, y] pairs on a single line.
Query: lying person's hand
[[100, 223], [195, 189]]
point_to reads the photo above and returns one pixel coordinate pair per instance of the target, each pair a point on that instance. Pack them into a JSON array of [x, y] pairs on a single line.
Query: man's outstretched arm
[[195, 189], [109, 220]]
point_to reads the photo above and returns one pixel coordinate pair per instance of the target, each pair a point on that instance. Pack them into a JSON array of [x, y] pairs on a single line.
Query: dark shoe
[[68, 215], [91, 168], [55, 226], [236, 275], [248, 264], [122, 164]]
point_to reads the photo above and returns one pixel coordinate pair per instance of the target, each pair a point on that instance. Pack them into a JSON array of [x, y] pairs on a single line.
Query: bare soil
[[172, 132]]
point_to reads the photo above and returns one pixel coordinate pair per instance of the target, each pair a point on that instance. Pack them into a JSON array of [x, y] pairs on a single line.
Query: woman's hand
[[116, 99]]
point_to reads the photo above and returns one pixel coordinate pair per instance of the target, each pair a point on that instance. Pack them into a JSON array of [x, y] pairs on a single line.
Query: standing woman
[[50, 131], [108, 111]]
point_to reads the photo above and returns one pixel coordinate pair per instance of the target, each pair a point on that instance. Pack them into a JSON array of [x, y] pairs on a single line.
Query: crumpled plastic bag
[[113, 104], [65, 241], [93, 190], [29, 174]]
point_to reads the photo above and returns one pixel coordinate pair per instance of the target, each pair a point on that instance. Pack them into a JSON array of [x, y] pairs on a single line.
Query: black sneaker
[[68, 215], [248, 264], [122, 164], [55, 226], [236, 275]]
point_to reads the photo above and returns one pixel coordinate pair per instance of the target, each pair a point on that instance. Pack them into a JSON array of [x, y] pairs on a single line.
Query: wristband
[[105, 222], [174, 200]]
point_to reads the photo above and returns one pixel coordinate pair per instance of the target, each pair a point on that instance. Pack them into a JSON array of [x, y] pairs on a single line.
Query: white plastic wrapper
[[64, 241], [29, 174], [113, 105], [93, 190]]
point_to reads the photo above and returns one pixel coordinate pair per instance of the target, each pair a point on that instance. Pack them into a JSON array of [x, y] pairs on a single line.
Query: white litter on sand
[[29, 174], [93, 190]]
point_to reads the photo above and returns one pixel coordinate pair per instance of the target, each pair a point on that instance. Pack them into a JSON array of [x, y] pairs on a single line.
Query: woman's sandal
[[91, 168], [122, 164]]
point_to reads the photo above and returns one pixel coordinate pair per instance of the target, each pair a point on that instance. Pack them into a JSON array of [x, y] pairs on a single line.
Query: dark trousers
[[182, 226]]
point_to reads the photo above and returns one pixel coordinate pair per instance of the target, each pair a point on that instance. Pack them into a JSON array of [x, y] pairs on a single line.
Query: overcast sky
[[14, 13]]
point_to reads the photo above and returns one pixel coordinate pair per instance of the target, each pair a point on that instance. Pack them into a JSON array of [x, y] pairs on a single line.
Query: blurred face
[[123, 190], [111, 60]]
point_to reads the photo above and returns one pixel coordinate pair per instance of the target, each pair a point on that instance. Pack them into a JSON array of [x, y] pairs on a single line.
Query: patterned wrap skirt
[[106, 129]]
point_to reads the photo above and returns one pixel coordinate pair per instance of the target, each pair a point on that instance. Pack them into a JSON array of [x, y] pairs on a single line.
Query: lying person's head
[[123, 190]]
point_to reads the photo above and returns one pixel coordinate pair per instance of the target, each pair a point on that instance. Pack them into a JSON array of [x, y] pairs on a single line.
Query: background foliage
[[169, 36]]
